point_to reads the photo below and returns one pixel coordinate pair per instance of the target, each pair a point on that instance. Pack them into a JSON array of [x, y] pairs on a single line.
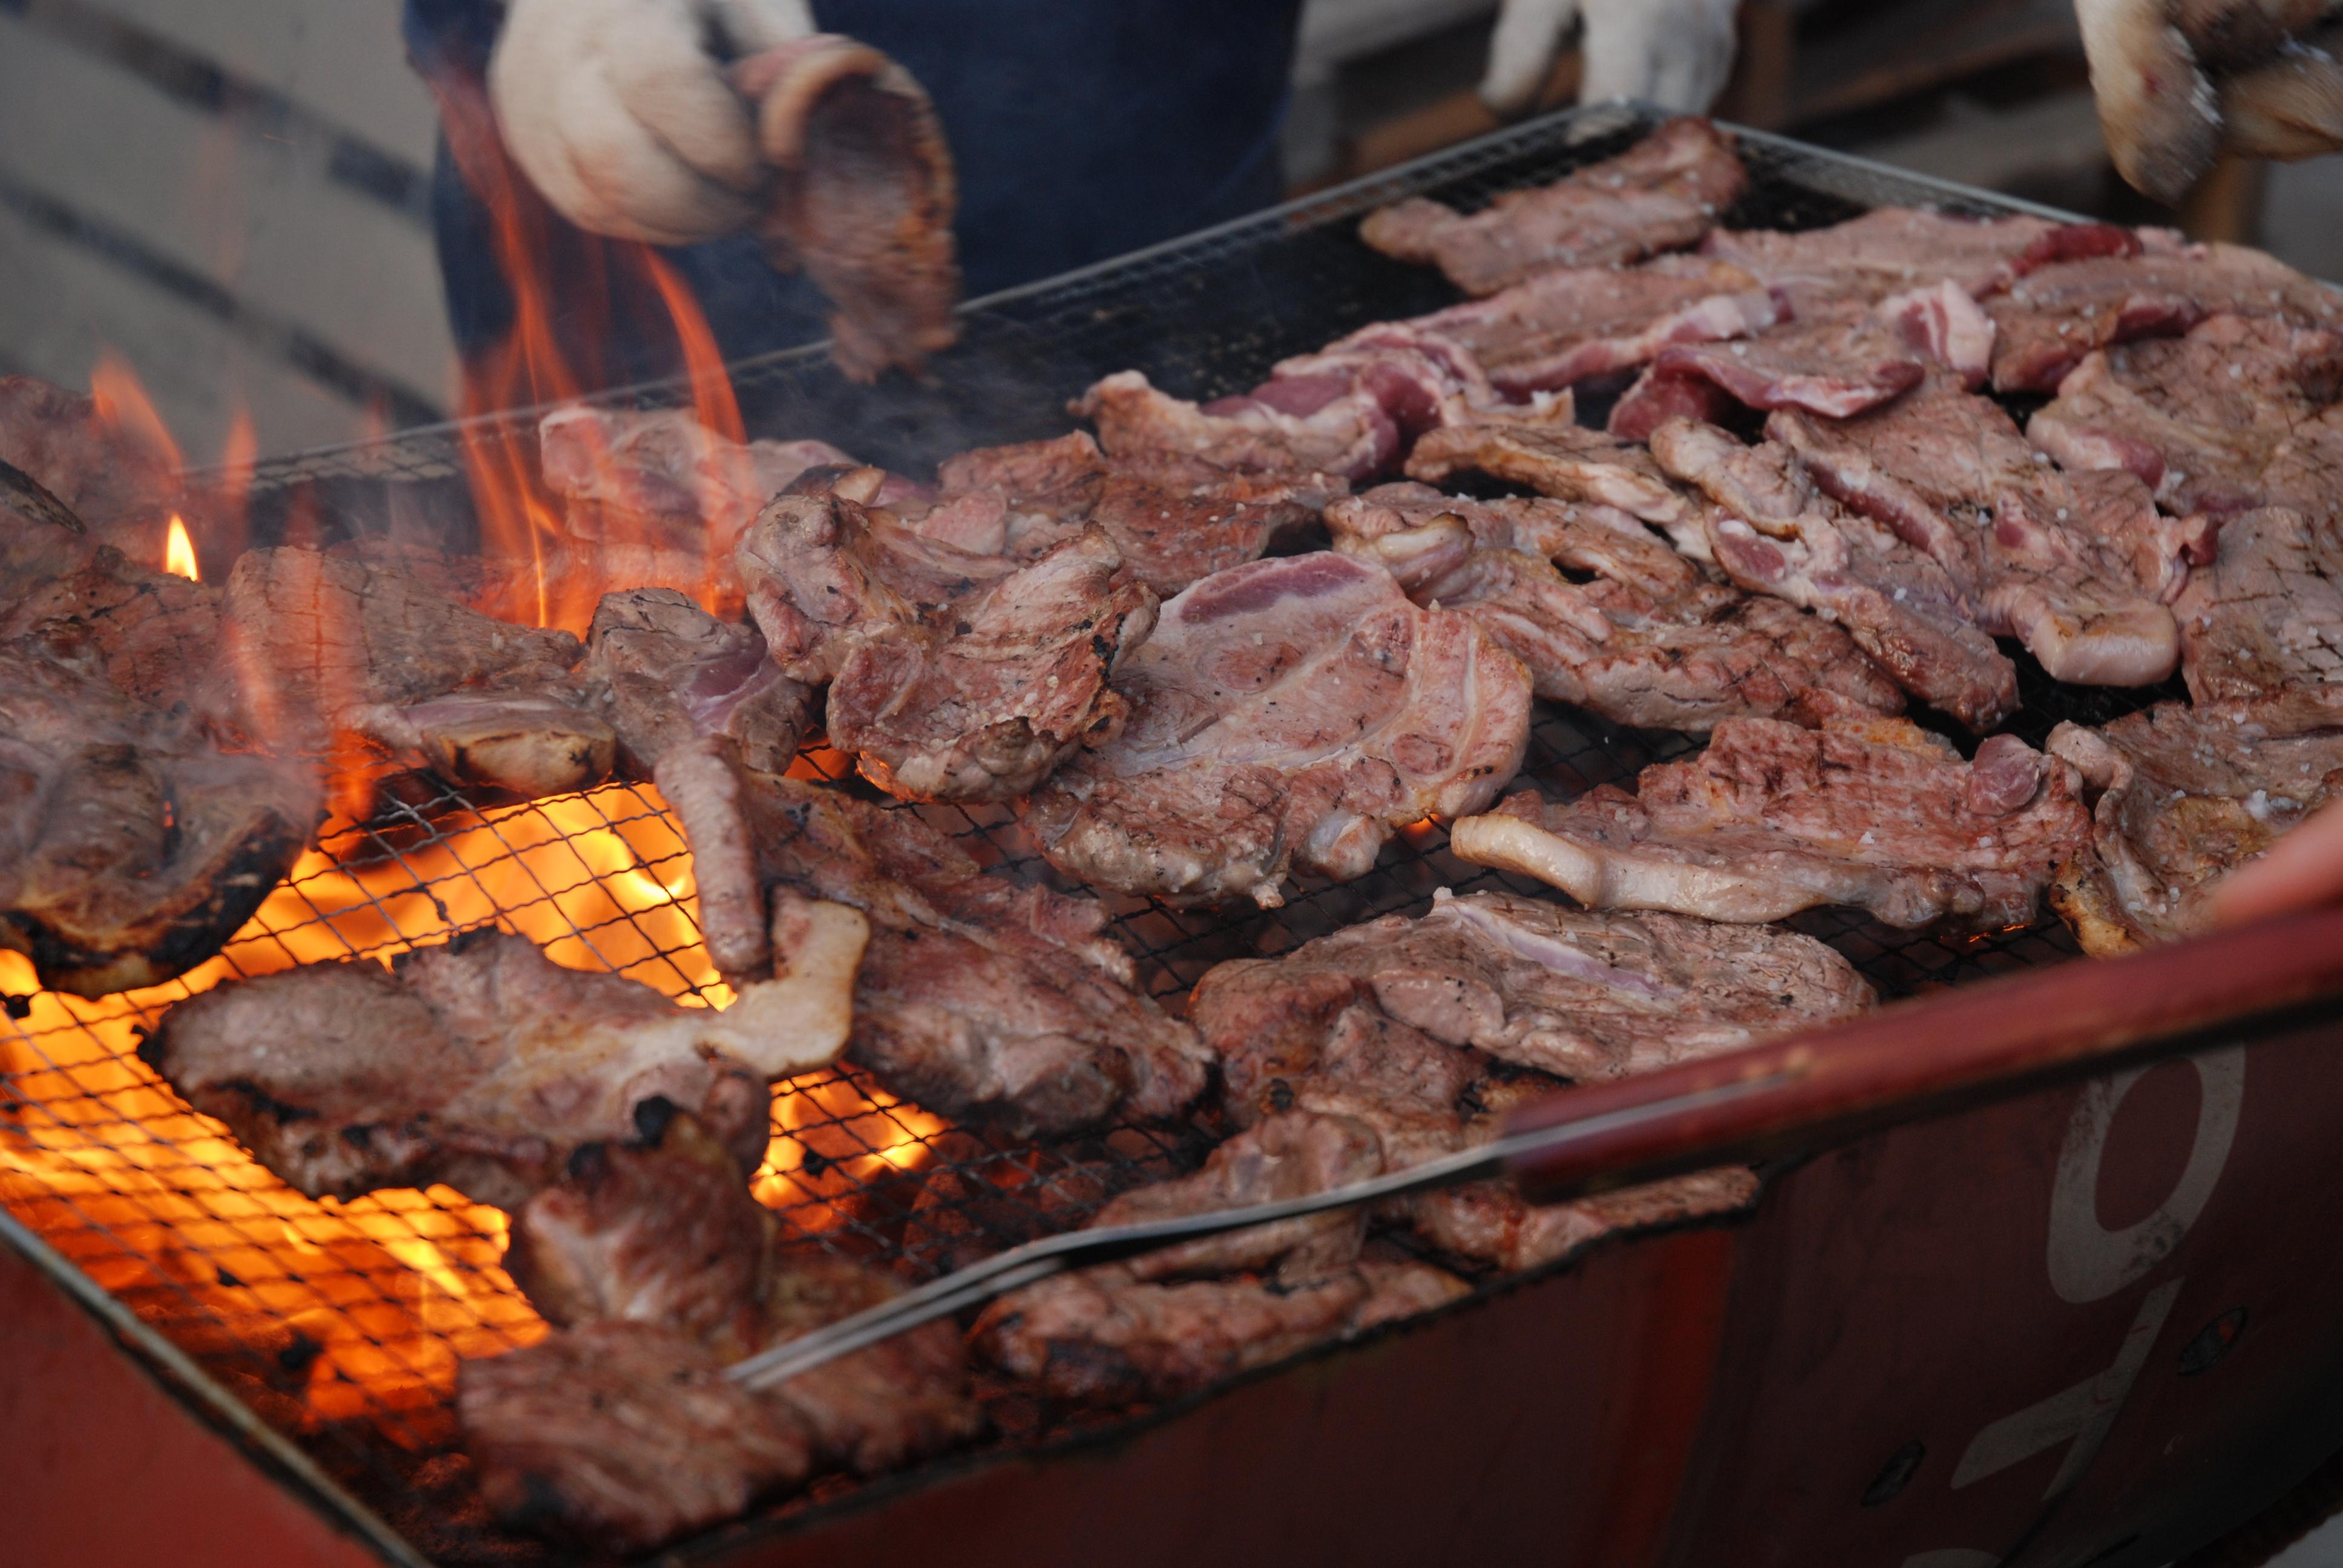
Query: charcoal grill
[[1821, 1381]]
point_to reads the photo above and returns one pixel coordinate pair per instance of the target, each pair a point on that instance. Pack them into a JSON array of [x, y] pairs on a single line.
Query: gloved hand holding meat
[[679, 121]]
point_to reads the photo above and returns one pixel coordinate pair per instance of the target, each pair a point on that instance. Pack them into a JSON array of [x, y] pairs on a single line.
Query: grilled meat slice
[[324, 647], [130, 846], [152, 636], [1290, 714], [1892, 249], [2184, 795], [119, 486], [2078, 566], [1772, 532], [2224, 419], [1175, 517], [482, 1063], [1569, 463], [1562, 326], [983, 708], [1773, 818], [621, 1434], [2051, 318], [1674, 657], [1662, 194], [1351, 410], [1583, 996], [676, 673], [667, 1233], [2262, 626], [976, 1200], [662, 477], [978, 997]]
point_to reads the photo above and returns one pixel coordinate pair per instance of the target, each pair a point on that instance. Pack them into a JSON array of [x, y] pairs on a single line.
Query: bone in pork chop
[[1351, 410], [131, 847], [1892, 249], [1175, 517], [1155, 1328], [2226, 418], [1562, 326], [2077, 566], [1649, 641], [1662, 194], [323, 646], [2262, 626], [1288, 715], [1772, 532], [2183, 795], [482, 1063], [1771, 819], [978, 997], [658, 1258], [953, 676], [2050, 318]]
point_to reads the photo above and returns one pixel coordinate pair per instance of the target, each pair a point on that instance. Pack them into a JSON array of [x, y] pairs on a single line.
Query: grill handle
[[1917, 1058]]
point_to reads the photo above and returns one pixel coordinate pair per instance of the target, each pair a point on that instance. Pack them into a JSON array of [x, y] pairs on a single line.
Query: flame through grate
[[341, 1324]]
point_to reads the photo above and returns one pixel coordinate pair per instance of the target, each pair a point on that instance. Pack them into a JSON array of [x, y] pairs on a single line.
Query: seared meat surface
[[482, 1063], [1649, 641], [677, 674], [1772, 532], [657, 1255], [2077, 566], [1288, 715], [1662, 194], [2262, 626], [1771, 819], [131, 847], [664, 477], [978, 997], [1892, 249], [2182, 795], [1567, 462], [1175, 517], [152, 636]]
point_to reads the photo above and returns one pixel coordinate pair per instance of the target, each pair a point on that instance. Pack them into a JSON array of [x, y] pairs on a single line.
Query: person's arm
[[2300, 872]]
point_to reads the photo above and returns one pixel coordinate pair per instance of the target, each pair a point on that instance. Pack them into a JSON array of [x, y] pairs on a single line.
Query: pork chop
[[131, 846], [1772, 532], [1288, 715], [1662, 194], [482, 1063], [978, 997], [2262, 626], [2183, 796], [1678, 658], [1771, 819]]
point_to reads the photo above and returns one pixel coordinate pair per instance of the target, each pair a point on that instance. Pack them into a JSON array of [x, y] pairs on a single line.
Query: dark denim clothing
[[1080, 128]]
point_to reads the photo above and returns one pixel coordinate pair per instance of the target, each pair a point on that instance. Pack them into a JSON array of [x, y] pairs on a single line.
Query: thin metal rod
[[1021, 1266]]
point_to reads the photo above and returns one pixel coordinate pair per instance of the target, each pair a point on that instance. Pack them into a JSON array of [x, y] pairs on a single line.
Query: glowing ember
[[375, 1301], [179, 551]]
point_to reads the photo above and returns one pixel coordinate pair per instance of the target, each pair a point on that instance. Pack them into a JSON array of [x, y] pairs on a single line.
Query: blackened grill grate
[[339, 1324]]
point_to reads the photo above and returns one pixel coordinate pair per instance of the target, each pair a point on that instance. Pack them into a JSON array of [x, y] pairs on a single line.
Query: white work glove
[[1674, 53], [2180, 80], [621, 112]]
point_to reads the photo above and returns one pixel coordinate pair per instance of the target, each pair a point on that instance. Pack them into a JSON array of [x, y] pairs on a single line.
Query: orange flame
[[179, 551], [122, 402], [376, 1301]]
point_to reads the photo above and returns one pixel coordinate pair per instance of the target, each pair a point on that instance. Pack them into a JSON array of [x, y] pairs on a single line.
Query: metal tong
[[1906, 1061]]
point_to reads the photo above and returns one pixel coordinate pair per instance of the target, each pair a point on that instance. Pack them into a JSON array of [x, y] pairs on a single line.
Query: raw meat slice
[[983, 707], [2221, 420], [1175, 517], [1771, 532], [1662, 194], [1773, 818], [2077, 566], [2050, 318], [1679, 656], [1562, 326], [2263, 625], [1288, 715], [978, 997], [2183, 795], [131, 847], [1891, 249], [482, 1063]]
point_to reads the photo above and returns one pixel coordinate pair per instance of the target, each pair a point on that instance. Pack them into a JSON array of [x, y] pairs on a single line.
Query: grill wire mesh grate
[[340, 1323]]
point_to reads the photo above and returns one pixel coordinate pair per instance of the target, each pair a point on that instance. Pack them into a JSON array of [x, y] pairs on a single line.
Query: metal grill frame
[[1202, 315]]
